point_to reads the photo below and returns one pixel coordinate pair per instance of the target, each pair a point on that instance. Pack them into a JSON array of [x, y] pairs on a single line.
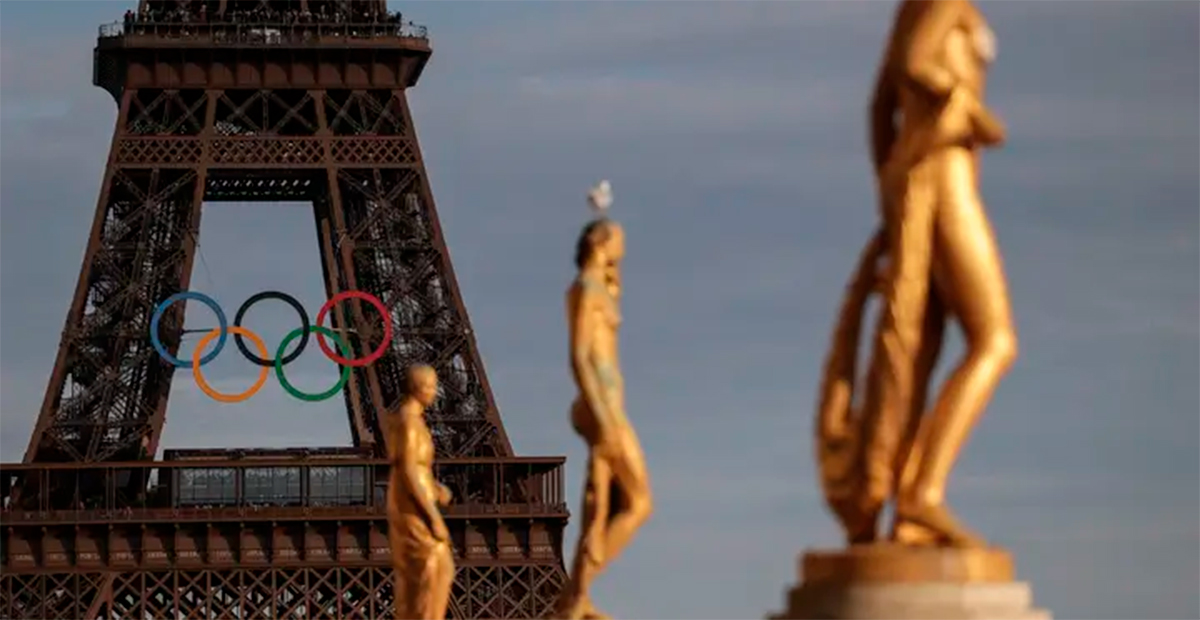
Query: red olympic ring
[[383, 313]]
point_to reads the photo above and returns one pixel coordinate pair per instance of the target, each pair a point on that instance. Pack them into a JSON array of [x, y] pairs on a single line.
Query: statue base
[[874, 582]]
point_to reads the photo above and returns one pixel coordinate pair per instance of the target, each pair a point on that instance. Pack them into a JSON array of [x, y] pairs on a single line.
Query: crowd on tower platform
[[192, 18]]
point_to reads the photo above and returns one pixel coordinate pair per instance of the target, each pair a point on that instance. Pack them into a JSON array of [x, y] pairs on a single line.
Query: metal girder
[[333, 592], [355, 156]]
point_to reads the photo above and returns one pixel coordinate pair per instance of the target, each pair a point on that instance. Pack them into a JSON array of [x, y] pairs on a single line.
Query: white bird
[[600, 197], [984, 41]]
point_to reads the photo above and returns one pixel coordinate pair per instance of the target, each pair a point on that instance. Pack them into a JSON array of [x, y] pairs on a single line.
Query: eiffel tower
[[263, 100]]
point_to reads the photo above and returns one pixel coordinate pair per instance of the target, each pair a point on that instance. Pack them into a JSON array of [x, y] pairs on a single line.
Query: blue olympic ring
[[202, 298]]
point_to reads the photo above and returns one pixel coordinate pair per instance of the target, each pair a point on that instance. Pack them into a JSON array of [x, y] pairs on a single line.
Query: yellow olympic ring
[[229, 398]]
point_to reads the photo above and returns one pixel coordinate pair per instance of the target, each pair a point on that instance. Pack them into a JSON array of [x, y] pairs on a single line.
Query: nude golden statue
[[934, 258], [617, 498], [420, 543]]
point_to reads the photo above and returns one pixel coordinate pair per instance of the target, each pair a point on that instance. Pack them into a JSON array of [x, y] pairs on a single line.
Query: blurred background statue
[[421, 549], [616, 498]]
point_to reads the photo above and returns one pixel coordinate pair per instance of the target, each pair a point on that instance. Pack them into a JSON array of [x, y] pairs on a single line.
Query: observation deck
[[176, 52], [262, 506], [219, 488]]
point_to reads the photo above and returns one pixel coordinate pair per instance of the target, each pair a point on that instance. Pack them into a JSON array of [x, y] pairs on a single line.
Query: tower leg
[[107, 395]]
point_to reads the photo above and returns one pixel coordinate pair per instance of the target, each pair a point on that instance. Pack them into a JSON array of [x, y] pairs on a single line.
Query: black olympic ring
[[304, 326]]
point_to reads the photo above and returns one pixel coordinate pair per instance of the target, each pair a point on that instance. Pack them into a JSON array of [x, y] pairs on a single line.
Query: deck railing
[[218, 489], [261, 33]]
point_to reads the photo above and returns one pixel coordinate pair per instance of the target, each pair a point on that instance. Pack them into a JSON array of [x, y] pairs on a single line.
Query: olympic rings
[[279, 362], [204, 299], [213, 394], [383, 313], [289, 300], [341, 356]]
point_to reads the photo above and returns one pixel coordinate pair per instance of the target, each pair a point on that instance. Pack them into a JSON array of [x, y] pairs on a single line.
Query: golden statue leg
[[423, 587], [420, 593], [909, 209], [574, 601], [439, 579], [604, 534], [909, 453], [608, 525], [971, 277], [400, 568], [636, 505], [401, 595]]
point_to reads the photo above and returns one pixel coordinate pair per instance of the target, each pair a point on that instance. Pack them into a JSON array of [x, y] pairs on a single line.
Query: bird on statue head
[[600, 198]]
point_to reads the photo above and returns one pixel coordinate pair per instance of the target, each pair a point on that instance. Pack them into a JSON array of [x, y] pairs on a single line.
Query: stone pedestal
[[893, 582]]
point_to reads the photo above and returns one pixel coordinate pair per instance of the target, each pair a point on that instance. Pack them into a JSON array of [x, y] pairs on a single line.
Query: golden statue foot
[[580, 609], [912, 535], [860, 518], [860, 522], [591, 613], [938, 522]]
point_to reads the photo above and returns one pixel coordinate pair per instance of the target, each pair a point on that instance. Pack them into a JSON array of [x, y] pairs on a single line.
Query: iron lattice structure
[[220, 110]]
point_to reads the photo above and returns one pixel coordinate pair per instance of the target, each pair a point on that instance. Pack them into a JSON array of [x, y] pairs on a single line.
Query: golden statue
[[616, 499], [421, 547], [935, 257]]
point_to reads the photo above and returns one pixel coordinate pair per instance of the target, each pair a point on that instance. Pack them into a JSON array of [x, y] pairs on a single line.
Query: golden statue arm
[[989, 129], [883, 118], [921, 61], [582, 365], [445, 495], [419, 483], [391, 442], [923, 66]]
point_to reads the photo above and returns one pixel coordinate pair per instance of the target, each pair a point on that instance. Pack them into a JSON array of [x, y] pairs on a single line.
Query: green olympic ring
[[342, 347]]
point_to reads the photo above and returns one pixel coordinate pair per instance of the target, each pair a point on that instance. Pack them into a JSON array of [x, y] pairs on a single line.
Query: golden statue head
[[602, 243], [423, 384]]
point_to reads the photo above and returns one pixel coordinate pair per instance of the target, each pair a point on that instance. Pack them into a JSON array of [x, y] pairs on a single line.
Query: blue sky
[[734, 135]]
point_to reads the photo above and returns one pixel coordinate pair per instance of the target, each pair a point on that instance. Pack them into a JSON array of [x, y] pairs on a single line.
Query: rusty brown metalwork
[[225, 111], [275, 534]]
